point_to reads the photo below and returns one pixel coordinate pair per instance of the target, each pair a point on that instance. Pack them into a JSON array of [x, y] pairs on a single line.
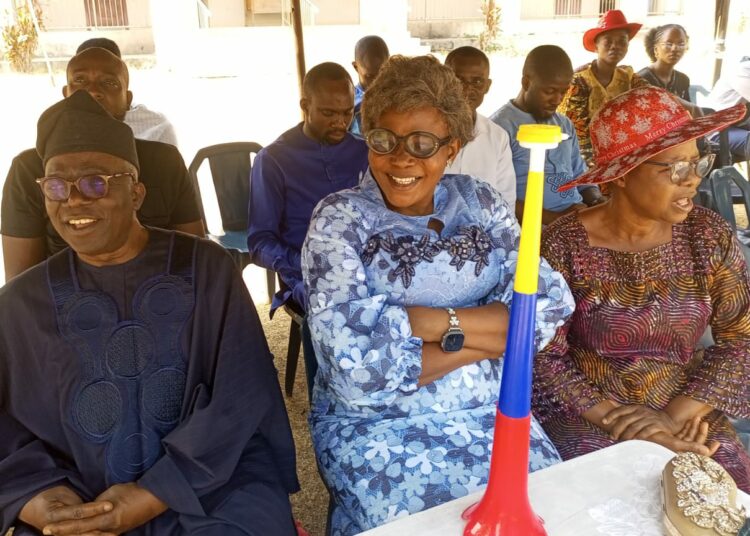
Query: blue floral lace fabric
[[385, 446]]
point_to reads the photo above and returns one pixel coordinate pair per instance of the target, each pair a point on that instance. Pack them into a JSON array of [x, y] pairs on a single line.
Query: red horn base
[[505, 509]]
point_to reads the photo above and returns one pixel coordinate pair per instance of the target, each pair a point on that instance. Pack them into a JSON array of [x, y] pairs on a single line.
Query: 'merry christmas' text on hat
[[611, 20], [639, 124]]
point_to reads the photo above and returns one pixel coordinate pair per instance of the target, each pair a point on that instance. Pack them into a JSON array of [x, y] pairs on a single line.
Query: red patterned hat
[[640, 123], [611, 20]]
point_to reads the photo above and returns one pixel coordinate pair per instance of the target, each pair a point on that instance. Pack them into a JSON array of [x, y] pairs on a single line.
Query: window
[[103, 13], [567, 8], [606, 5], [664, 7]]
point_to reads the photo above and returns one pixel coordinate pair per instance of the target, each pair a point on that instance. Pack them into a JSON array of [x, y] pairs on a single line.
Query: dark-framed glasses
[[418, 144], [90, 186], [680, 170]]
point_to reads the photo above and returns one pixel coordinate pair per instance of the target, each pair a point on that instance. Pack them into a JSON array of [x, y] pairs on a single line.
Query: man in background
[[547, 73], [291, 175], [28, 236], [146, 124], [370, 53], [731, 88], [487, 156]]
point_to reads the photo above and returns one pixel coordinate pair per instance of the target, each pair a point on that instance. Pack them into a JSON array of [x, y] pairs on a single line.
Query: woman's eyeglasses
[[418, 144], [680, 171], [670, 45], [90, 186]]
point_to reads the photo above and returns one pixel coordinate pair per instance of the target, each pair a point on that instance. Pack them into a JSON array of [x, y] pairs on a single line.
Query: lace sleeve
[[364, 345], [554, 300]]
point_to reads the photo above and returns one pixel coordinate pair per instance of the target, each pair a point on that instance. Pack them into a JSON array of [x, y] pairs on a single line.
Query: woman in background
[[603, 79], [666, 45]]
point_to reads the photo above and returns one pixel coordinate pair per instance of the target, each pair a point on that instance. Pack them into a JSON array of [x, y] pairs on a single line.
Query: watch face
[[453, 342]]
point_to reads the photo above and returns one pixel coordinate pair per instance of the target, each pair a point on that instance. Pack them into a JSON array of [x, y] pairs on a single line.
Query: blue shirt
[[562, 165], [356, 126], [288, 178]]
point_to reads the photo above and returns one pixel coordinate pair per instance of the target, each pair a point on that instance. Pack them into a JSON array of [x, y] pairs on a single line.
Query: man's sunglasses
[[90, 186], [418, 144], [680, 171]]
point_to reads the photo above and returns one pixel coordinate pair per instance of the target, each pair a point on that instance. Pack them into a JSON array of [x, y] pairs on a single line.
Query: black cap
[[79, 124]]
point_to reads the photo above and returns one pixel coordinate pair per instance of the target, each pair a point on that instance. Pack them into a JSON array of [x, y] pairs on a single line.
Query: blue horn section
[[515, 389]]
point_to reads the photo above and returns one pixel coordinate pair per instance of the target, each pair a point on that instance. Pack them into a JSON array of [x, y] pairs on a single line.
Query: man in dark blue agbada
[[137, 391], [289, 177]]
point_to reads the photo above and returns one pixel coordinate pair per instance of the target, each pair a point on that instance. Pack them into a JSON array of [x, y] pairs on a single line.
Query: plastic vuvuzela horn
[[504, 508]]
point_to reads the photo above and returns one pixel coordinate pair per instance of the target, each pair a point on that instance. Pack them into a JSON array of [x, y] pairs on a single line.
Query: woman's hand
[[697, 444], [59, 504], [638, 422]]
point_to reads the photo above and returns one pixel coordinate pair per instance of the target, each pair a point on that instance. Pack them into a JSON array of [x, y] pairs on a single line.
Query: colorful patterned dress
[[634, 334], [385, 446], [586, 96]]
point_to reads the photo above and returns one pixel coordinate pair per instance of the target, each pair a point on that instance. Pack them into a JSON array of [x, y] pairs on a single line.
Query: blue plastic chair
[[230, 165], [694, 90], [729, 187]]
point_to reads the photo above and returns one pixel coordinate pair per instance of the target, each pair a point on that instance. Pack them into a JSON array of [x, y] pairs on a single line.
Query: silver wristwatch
[[453, 339]]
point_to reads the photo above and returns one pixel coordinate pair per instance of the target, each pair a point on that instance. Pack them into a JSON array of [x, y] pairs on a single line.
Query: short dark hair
[[405, 84], [100, 42], [466, 52], [654, 34], [547, 61], [328, 72], [370, 44]]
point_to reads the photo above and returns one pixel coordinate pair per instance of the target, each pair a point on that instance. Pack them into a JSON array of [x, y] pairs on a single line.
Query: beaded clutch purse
[[700, 498]]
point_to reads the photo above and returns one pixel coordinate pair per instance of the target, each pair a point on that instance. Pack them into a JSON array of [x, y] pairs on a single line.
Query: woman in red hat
[[602, 79], [649, 273]]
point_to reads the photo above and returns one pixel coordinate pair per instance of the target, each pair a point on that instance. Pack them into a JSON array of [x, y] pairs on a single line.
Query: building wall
[[71, 14], [226, 13], [337, 12]]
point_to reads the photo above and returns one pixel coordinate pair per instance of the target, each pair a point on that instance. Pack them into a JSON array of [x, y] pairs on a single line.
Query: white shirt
[[733, 87], [150, 125], [488, 157]]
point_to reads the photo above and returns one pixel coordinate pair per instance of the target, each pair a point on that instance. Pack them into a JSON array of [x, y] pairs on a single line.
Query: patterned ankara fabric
[[154, 371], [586, 95], [634, 334], [385, 446]]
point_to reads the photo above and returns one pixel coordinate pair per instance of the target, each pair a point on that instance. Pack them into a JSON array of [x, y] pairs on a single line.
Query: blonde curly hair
[[407, 83]]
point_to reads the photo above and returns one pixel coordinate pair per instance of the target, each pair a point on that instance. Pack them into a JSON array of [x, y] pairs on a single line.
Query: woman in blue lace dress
[[409, 279]]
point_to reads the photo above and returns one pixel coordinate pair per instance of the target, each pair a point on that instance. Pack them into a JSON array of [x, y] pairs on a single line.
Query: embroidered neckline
[[470, 243]]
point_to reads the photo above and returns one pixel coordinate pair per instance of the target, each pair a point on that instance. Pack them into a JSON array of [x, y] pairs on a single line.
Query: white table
[[614, 491]]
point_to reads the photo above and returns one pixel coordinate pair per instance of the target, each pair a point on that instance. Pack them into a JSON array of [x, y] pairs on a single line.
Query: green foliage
[[20, 38]]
